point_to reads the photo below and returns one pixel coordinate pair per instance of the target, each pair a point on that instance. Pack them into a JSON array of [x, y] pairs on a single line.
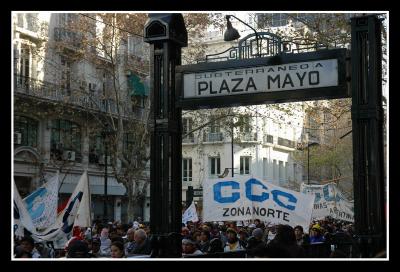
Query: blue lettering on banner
[[218, 195], [249, 193], [276, 194], [291, 198]]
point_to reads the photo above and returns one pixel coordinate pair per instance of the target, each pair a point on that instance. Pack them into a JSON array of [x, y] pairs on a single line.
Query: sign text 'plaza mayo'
[[292, 76]]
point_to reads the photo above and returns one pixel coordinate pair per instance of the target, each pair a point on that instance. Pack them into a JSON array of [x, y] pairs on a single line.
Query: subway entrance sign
[[276, 79]]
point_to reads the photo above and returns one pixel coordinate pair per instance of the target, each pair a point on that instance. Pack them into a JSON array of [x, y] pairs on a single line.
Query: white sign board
[[239, 199], [261, 79], [329, 201]]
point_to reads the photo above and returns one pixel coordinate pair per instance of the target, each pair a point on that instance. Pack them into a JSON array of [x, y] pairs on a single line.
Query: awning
[[137, 86], [96, 185]]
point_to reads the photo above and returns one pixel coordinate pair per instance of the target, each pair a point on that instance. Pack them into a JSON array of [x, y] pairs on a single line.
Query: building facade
[[62, 99]]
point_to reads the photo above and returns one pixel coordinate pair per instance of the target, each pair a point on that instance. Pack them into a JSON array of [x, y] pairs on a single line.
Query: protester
[[189, 247], [117, 250], [316, 234], [233, 241], [301, 238], [95, 248], [130, 244], [142, 243], [78, 249], [243, 236], [216, 245], [105, 243], [27, 246], [284, 245], [205, 240]]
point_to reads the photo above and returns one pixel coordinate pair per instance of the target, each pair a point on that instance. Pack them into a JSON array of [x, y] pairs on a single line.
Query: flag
[[190, 214], [60, 232], [42, 203], [83, 218], [22, 218]]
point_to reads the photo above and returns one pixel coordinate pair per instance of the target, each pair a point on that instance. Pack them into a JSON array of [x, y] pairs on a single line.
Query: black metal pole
[[166, 34], [232, 152], [367, 120], [308, 163]]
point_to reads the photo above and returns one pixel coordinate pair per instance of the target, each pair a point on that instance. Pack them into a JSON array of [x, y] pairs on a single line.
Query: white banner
[[190, 214], [235, 199], [42, 203], [60, 232], [329, 201]]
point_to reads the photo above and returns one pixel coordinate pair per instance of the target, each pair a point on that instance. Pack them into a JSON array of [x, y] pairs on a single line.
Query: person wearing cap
[[189, 247], [316, 234], [233, 243]]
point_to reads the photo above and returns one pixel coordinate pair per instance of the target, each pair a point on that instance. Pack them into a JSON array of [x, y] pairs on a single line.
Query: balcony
[[70, 39], [189, 139], [286, 143], [75, 97], [248, 136], [213, 137]]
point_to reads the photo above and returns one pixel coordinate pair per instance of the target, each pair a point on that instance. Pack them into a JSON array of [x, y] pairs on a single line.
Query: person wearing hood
[[233, 243]]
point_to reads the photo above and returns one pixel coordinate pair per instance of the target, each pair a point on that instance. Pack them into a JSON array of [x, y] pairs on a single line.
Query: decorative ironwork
[[270, 45]]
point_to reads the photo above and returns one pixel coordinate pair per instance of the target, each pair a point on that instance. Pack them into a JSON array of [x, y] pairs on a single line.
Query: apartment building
[[62, 99]]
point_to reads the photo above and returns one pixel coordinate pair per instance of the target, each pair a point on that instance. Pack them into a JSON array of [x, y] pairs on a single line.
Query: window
[[65, 76], [215, 166], [187, 124], [128, 144], [265, 168], [269, 139], [286, 171], [96, 147], [65, 135], [187, 170], [214, 133], [245, 165], [137, 47], [24, 67], [275, 170], [26, 130], [245, 124], [281, 172], [294, 171]]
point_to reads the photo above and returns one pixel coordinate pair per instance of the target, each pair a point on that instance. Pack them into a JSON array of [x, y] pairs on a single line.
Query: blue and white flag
[[329, 201], [190, 214], [22, 219], [60, 232], [42, 203]]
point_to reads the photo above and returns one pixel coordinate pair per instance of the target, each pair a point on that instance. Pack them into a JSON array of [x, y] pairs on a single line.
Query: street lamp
[[231, 33]]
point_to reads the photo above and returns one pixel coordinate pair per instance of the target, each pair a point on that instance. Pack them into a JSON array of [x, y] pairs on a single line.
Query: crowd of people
[[259, 239]]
